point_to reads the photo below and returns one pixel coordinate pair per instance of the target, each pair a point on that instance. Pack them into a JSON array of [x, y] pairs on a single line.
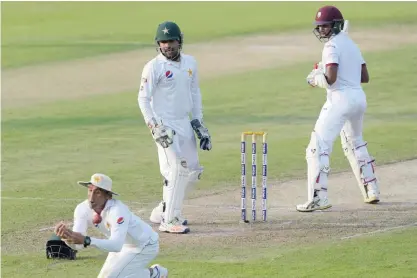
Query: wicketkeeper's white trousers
[[184, 146], [128, 263]]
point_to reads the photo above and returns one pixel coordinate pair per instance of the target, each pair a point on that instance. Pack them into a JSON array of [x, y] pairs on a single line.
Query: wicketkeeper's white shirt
[[122, 228], [170, 91]]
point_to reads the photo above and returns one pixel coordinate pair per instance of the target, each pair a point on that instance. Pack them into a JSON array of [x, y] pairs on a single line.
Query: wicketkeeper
[[170, 101]]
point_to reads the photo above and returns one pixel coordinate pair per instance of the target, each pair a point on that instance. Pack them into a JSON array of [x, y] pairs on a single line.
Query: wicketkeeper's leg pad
[[194, 177], [175, 189]]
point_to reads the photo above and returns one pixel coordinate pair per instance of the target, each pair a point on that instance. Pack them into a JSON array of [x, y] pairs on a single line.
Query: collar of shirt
[[170, 62], [108, 205]]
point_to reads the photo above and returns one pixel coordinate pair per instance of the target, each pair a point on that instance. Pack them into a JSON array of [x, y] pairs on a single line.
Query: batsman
[[340, 73], [171, 104]]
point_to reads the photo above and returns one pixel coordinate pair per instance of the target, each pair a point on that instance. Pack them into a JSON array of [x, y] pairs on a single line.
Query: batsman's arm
[[119, 222], [364, 74], [197, 111], [147, 88], [330, 59], [364, 71]]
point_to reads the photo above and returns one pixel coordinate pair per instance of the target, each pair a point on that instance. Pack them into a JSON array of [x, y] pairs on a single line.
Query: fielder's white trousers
[[128, 263]]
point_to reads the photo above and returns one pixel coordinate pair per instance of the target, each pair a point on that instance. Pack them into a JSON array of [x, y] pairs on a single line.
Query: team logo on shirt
[[121, 220], [169, 74], [108, 226]]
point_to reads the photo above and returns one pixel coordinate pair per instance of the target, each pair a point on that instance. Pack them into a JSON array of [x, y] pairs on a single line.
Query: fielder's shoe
[[157, 214], [317, 204], [159, 271], [174, 227]]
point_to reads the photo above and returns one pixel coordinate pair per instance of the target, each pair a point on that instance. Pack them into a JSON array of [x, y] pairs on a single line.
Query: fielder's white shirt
[[343, 51], [122, 228], [170, 91]]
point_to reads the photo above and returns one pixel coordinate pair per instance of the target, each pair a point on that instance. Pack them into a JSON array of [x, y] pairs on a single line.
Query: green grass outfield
[[387, 255], [47, 148], [41, 32]]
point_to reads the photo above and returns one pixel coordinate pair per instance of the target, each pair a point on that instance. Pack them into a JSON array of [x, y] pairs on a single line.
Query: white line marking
[[51, 228], [288, 208], [379, 231], [341, 224], [47, 228], [38, 198], [70, 223], [68, 199]]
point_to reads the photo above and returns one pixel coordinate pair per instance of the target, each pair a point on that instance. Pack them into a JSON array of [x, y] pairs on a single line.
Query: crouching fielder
[[169, 94], [131, 243], [341, 73]]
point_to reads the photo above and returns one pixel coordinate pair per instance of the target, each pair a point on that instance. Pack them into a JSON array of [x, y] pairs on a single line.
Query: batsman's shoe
[[373, 197], [317, 204], [159, 271], [173, 227]]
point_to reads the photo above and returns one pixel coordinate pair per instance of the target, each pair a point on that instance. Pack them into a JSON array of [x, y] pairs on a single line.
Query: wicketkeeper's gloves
[[202, 134]]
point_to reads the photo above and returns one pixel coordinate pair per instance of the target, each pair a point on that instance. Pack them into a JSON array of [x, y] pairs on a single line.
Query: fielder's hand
[[161, 134], [67, 235], [202, 134]]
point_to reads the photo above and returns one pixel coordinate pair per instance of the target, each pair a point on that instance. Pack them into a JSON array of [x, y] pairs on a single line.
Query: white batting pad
[[361, 164], [317, 165]]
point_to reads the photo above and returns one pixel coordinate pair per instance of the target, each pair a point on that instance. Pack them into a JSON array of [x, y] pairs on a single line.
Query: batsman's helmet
[[58, 249], [329, 15]]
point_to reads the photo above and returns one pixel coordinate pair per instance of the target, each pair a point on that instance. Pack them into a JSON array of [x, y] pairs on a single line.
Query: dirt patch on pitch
[[216, 231], [215, 219], [121, 72]]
